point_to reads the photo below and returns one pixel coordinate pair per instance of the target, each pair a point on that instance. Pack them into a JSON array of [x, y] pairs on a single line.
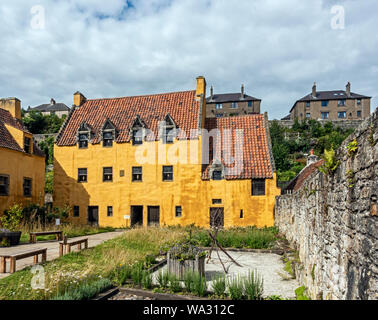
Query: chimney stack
[[311, 158], [13, 105], [211, 93], [348, 89], [242, 92], [52, 101], [78, 99], [314, 90]]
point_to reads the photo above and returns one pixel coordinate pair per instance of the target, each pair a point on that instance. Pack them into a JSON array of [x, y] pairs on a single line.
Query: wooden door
[[217, 217], [93, 215], [153, 216], [136, 215]]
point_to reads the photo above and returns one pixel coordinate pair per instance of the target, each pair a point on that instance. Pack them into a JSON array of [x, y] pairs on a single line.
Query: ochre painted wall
[[186, 190], [19, 165]]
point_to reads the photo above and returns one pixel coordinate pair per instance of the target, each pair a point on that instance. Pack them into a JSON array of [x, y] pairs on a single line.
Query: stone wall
[[332, 221], [344, 124]]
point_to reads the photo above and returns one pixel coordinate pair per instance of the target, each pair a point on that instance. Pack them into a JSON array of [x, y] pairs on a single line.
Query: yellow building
[[123, 161], [22, 164]]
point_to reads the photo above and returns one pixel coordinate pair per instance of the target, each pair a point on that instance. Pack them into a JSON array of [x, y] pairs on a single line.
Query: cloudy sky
[[277, 48]]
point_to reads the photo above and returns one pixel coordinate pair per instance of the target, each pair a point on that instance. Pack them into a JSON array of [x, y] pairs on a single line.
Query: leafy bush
[[11, 220], [300, 293], [235, 287], [219, 285], [330, 162], [253, 285], [199, 284]]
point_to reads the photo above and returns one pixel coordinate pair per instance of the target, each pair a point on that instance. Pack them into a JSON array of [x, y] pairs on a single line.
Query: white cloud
[[119, 48]]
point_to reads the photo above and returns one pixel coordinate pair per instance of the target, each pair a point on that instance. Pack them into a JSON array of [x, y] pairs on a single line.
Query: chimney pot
[[52, 101], [242, 91], [348, 89], [211, 93], [314, 90]]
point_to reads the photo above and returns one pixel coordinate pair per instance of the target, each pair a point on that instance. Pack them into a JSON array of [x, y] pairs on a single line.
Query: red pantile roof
[[184, 110], [7, 140], [122, 112], [257, 160]]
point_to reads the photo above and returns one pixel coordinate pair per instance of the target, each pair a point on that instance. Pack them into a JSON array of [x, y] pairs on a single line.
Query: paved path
[[53, 248]]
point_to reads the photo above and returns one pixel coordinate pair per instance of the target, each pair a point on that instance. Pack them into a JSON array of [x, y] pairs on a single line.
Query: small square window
[[217, 201], [324, 103], [241, 214], [82, 175], [107, 175], [308, 104], [341, 103], [258, 187], [136, 174], [121, 173], [341, 115], [359, 114], [308, 115], [217, 175], [250, 104], [27, 187], [358, 101], [167, 173], [178, 212], [137, 136], [4, 185], [76, 211], [218, 106], [109, 211], [234, 105], [324, 115]]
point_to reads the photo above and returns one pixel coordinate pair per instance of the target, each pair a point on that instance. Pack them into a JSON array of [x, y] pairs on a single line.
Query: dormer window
[[83, 135], [107, 140], [217, 175], [108, 134], [169, 130], [138, 131], [83, 140], [217, 170]]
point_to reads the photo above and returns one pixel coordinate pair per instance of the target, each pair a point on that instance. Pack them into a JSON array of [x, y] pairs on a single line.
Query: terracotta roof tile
[[122, 112], [256, 160]]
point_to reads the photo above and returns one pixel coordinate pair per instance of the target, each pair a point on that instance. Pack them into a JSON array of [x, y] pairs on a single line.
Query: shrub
[[219, 285], [122, 274], [163, 278], [253, 285], [199, 284], [300, 293], [147, 280], [11, 220], [188, 281], [174, 283], [235, 288]]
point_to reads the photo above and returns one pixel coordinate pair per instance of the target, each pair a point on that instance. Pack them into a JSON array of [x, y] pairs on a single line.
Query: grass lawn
[[67, 273]]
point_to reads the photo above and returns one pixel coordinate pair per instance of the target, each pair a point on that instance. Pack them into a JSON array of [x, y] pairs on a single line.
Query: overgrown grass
[[69, 230], [70, 271], [219, 285], [239, 237]]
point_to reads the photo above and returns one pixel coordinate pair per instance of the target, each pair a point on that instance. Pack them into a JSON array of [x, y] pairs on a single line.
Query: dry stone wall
[[332, 221]]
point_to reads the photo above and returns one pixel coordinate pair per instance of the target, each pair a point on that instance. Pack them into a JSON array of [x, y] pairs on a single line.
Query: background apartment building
[[332, 105], [231, 104]]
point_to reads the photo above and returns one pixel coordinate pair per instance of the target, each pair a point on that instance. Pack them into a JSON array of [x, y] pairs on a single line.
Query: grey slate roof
[[230, 97], [330, 95], [50, 107]]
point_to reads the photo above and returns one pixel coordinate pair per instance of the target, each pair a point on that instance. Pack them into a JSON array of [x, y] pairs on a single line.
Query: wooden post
[[44, 256], [68, 248], [12, 265], [61, 249], [86, 244], [3, 265], [79, 246], [35, 260]]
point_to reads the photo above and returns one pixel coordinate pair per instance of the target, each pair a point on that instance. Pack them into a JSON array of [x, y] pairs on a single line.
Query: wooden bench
[[33, 235], [22, 255], [65, 246]]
